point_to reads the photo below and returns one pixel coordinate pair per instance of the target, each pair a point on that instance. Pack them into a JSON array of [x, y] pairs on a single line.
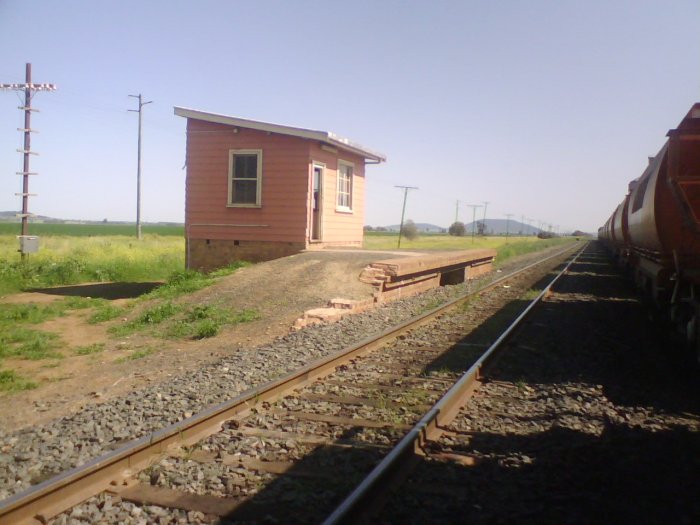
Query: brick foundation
[[209, 254]]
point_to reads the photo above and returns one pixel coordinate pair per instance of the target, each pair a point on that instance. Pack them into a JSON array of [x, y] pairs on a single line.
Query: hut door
[[316, 191]]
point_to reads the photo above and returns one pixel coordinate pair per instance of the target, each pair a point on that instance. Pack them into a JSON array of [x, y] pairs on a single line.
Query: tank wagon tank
[[655, 230]]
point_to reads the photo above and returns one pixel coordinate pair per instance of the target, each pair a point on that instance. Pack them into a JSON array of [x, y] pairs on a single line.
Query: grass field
[[506, 247], [91, 230], [89, 257], [76, 253]]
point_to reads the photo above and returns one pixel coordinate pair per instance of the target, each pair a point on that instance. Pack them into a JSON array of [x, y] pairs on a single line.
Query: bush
[[457, 229], [409, 230]]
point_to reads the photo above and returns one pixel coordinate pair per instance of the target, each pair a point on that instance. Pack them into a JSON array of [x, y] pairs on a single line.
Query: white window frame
[[340, 207], [258, 189]]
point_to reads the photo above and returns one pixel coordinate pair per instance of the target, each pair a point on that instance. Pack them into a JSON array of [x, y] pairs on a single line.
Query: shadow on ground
[[101, 290], [593, 331]]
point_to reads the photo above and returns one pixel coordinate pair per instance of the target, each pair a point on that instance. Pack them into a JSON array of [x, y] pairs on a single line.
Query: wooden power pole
[[29, 88], [403, 210], [138, 167]]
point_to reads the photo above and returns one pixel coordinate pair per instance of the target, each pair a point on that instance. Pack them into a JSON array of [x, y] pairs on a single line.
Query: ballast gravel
[[32, 455], [590, 416]]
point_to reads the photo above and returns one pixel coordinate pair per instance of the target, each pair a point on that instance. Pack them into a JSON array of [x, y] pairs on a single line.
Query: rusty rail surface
[[378, 482], [51, 497]]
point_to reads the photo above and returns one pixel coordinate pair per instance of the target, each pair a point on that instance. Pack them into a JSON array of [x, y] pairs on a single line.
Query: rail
[[47, 499], [373, 486]]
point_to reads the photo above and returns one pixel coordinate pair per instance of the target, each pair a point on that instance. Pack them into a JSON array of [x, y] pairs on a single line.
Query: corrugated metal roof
[[325, 137]]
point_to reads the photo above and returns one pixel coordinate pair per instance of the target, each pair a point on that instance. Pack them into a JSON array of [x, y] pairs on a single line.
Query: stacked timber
[[395, 278]]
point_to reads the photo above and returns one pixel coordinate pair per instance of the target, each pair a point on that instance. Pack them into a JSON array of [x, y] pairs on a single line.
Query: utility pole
[[138, 169], [28, 87], [473, 207], [403, 210], [486, 203], [508, 215]]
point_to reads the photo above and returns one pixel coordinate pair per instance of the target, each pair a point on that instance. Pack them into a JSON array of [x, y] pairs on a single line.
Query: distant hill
[[422, 227], [499, 226]]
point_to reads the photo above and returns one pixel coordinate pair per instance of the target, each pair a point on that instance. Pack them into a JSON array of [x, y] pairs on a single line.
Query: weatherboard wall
[[340, 227], [217, 234]]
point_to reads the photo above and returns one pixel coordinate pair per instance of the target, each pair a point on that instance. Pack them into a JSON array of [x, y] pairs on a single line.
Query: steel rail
[[53, 496], [429, 427]]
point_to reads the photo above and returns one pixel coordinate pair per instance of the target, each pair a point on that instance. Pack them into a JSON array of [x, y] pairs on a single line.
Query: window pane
[[245, 166], [344, 186], [244, 192]]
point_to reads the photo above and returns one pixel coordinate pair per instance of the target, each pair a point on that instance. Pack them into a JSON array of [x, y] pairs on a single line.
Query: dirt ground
[[280, 290]]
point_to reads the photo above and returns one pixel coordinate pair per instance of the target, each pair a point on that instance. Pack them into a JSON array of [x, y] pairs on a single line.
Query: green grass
[[137, 354], [92, 230], [64, 260], [10, 381], [205, 321], [187, 281], [17, 340], [506, 247], [24, 343], [147, 318], [95, 348], [106, 312]]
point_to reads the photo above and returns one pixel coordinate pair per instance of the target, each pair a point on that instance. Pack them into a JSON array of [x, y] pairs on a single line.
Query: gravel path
[[32, 455], [590, 418]]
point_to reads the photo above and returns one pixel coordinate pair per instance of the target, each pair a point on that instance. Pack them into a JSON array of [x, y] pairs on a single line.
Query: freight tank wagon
[[655, 230]]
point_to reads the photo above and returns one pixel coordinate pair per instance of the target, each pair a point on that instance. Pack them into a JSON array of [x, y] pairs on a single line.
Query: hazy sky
[[544, 108]]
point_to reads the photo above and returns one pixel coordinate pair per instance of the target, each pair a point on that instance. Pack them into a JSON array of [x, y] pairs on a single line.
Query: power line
[[29, 89], [486, 203], [508, 215], [403, 210], [473, 207], [138, 168]]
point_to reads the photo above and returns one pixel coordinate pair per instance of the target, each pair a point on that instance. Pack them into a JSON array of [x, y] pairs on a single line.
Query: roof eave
[[321, 136]]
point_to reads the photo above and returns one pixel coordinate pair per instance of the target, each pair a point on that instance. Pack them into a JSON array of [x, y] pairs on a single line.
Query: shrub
[[410, 230], [457, 229]]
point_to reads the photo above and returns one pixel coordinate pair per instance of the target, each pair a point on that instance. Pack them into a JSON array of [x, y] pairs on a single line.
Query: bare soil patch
[[280, 291]]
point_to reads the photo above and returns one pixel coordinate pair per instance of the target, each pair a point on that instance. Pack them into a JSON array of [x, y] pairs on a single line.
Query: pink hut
[[256, 191]]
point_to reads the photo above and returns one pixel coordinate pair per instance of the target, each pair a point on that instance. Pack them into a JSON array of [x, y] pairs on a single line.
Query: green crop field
[[506, 247], [87, 230]]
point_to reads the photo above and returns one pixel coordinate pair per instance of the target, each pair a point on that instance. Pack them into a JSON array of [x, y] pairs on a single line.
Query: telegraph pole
[[473, 207], [28, 87], [403, 210], [138, 169], [508, 215], [486, 203]]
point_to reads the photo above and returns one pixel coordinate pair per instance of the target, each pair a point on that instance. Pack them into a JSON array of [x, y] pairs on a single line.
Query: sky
[[545, 109]]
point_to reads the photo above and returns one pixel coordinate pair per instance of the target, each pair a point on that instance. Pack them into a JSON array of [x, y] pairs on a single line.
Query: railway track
[[240, 459], [588, 417]]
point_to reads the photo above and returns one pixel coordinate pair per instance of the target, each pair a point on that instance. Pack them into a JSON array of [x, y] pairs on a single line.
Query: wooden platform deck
[[405, 276], [399, 277]]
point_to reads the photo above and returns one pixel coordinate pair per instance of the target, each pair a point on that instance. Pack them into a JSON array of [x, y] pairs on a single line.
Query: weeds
[[205, 321], [22, 343], [90, 349], [138, 354], [10, 381], [149, 317], [105, 312], [75, 259]]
